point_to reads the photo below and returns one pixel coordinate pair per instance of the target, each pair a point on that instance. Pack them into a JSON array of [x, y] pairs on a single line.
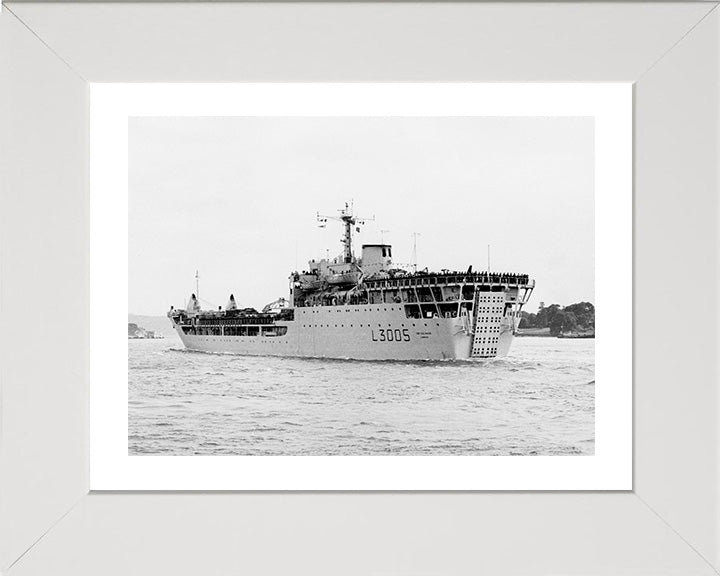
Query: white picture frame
[[50, 523]]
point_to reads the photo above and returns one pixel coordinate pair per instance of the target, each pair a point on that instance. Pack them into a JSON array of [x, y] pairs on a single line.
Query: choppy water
[[539, 400]]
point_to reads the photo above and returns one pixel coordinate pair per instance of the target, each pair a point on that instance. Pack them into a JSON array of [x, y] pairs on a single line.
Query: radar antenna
[[349, 220]]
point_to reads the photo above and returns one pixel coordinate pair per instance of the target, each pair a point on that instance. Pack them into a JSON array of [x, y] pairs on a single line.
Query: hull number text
[[389, 335]]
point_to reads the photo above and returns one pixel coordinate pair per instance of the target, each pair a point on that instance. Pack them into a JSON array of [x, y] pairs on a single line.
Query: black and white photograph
[[348, 286]]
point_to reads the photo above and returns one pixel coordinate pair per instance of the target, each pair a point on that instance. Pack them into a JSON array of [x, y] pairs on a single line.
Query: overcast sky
[[236, 199]]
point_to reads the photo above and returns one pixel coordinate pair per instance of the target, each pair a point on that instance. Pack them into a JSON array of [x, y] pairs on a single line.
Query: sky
[[236, 199]]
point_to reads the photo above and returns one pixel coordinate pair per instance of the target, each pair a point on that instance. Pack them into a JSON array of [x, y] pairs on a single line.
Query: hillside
[[157, 324], [575, 319]]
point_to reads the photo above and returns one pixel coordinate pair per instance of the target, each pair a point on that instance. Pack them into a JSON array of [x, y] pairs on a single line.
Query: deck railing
[[483, 278]]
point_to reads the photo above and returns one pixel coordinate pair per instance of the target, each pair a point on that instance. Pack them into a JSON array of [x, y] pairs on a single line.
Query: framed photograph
[[415, 293]]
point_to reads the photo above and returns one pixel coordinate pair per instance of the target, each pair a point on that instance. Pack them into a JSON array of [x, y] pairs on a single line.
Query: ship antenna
[[488, 258], [197, 285], [415, 237]]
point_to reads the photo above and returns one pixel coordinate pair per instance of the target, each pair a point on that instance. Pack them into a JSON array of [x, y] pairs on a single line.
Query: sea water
[[540, 400]]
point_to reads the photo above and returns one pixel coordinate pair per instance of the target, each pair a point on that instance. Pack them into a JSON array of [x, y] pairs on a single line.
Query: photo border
[[112, 468]]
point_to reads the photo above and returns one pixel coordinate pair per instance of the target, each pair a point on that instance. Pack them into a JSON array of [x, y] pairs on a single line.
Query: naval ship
[[367, 308]]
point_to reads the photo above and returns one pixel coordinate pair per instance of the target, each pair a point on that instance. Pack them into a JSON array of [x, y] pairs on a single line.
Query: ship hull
[[363, 332]]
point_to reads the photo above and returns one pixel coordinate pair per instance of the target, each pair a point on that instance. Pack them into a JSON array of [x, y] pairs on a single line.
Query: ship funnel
[[193, 304], [376, 257], [231, 305]]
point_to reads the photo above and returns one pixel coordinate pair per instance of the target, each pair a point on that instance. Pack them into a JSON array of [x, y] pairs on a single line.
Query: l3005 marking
[[390, 335]]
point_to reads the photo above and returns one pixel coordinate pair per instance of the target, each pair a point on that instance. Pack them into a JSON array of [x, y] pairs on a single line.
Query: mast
[[197, 286], [349, 220]]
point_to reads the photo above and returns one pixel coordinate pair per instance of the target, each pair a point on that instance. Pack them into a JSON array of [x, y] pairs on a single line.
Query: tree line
[[578, 317]]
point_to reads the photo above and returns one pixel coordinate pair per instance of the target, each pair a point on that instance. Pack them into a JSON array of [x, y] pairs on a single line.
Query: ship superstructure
[[368, 308]]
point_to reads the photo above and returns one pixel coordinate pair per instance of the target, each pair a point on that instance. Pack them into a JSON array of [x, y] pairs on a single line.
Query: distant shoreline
[[545, 333], [537, 332]]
